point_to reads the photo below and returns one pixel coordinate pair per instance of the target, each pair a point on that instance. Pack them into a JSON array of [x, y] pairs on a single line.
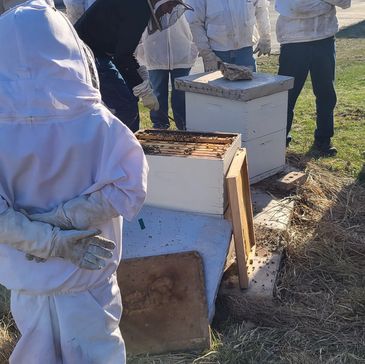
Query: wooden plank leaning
[[240, 206]]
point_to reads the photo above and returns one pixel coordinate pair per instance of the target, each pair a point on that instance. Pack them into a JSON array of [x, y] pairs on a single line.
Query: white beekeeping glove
[[79, 213], [263, 47], [82, 248], [210, 60], [144, 90]]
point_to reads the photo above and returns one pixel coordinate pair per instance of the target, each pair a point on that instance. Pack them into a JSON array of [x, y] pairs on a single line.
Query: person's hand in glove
[[263, 47], [144, 91], [210, 60], [79, 213], [83, 248]]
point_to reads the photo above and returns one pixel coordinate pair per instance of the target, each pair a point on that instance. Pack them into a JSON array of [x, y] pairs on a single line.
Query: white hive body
[[187, 169], [257, 109]]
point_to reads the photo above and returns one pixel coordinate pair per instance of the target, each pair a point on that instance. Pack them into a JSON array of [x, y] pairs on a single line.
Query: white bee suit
[[57, 142], [307, 20]]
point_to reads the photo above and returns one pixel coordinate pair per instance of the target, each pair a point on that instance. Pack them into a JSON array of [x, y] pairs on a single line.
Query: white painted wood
[[214, 84], [194, 184], [266, 155], [166, 232], [252, 119]]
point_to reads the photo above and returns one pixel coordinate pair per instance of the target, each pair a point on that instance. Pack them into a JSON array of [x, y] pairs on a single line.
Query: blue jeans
[[319, 59], [241, 57], [160, 85], [116, 94]]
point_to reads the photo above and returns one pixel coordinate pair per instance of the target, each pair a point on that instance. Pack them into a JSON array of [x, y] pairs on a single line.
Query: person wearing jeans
[[167, 55], [305, 31], [225, 31]]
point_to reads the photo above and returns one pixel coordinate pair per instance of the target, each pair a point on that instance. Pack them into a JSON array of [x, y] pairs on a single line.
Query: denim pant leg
[[178, 98], [242, 57], [160, 85], [116, 95], [294, 61], [322, 72]]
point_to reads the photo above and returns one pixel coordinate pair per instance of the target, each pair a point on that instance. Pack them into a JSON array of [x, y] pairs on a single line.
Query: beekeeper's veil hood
[[57, 141], [165, 13], [42, 64]]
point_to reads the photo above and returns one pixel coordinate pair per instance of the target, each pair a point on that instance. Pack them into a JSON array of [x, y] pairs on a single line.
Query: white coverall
[[170, 49], [307, 20], [225, 25], [58, 142]]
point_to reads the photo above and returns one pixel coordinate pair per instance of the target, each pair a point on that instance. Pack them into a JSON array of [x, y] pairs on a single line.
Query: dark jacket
[[114, 27]]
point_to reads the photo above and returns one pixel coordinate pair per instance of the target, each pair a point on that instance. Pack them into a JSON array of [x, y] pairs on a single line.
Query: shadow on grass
[[361, 176], [353, 31]]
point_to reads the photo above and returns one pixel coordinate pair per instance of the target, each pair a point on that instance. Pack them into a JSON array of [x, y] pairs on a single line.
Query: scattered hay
[[7, 338]]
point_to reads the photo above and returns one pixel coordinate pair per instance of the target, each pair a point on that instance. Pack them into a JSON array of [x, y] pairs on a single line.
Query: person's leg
[[38, 343], [323, 79], [178, 98], [160, 85], [294, 61], [244, 57], [89, 325], [116, 94]]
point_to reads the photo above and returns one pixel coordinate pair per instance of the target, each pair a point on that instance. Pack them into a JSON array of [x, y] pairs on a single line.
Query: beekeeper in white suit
[[224, 30], [306, 32], [67, 162]]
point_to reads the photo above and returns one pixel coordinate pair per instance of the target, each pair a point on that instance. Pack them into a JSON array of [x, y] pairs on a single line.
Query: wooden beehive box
[[257, 109], [188, 169]]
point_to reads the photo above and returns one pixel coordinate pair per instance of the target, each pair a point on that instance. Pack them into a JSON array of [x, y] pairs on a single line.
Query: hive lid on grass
[[262, 84]]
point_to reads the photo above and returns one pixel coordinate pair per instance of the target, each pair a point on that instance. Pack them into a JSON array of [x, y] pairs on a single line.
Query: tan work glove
[[210, 60], [263, 47]]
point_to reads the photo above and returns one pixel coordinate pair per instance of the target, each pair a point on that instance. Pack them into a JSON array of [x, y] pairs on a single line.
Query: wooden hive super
[[188, 169]]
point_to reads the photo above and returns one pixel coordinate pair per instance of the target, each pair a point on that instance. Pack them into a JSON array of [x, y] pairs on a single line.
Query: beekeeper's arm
[[263, 28], [74, 9], [135, 76], [83, 248], [343, 4], [124, 197], [196, 20]]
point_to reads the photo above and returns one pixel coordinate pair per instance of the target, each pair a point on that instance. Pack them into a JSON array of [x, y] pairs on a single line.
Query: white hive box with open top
[[188, 169], [257, 109]]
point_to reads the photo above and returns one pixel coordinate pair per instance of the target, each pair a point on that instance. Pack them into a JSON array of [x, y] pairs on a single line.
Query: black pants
[[319, 59]]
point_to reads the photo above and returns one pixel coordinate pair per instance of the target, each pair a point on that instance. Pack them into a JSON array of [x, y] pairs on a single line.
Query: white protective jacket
[[57, 142], [223, 25], [307, 20], [170, 49]]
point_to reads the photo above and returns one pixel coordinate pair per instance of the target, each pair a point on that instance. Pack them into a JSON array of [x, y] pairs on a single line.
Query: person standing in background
[[306, 32], [224, 31], [113, 29], [167, 55]]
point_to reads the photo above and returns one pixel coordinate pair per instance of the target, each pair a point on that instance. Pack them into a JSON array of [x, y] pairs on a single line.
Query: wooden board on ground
[[164, 304], [263, 267], [270, 213], [241, 212]]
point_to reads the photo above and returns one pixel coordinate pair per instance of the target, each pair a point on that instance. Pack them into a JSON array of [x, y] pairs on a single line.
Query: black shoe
[[325, 148], [288, 140]]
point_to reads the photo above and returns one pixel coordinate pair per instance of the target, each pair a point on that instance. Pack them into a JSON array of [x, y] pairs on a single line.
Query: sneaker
[[325, 148], [288, 140]]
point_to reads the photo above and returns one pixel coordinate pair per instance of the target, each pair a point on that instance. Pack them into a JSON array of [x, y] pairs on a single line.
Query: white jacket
[[307, 20], [58, 141], [170, 49], [224, 25]]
